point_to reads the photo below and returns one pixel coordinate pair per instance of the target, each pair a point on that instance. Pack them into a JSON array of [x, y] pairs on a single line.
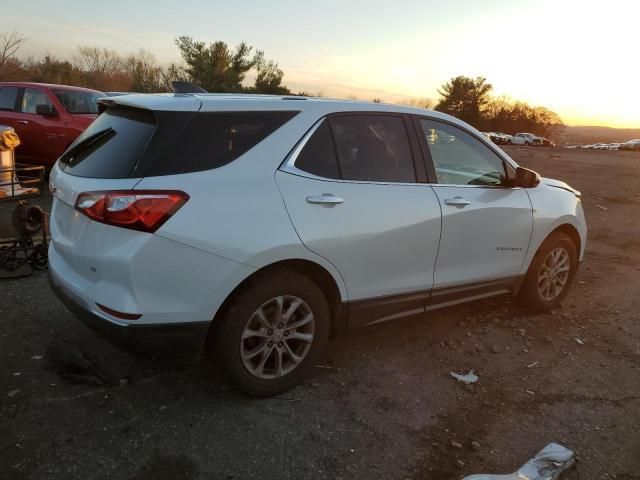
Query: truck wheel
[[273, 333], [550, 274]]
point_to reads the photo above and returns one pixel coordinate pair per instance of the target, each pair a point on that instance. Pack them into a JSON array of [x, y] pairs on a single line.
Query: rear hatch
[[135, 138], [114, 153]]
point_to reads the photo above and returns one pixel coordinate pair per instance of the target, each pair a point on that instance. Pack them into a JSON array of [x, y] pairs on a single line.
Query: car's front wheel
[[273, 333], [550, 274]]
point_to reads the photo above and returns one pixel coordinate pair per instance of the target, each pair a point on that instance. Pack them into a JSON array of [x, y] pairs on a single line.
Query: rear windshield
[[136, 143], [78, 102], [111, 146]]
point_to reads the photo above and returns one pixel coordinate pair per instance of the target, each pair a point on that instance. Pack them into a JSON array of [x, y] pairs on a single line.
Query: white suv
[[255, 226]]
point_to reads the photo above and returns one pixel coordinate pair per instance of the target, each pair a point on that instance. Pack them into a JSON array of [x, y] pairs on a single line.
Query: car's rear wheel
[[273, 333], [550, 274]]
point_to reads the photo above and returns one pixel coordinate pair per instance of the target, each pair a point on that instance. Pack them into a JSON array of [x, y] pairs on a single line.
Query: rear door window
[[318, 156], [370, 148], [111, 146], [373, 148], [8, 97]]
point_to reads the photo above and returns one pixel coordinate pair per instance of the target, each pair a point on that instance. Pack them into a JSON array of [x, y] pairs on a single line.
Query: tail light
[[142, 210]]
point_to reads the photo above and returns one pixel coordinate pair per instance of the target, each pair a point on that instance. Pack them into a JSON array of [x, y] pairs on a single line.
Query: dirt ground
[[382, 404]]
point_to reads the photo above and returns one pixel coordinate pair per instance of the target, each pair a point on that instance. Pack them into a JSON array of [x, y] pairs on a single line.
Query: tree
[[52, 70], [502, 115], [10, 43], [269, 76], [216, 67], [465, 98], [102, 68], [145, 74], [426, 103]]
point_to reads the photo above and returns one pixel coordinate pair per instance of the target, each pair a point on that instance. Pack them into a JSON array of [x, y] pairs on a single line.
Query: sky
[[581, 58]]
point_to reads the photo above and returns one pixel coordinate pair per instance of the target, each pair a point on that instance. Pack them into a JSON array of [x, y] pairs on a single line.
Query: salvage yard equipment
[[17, 180], [21, 255]]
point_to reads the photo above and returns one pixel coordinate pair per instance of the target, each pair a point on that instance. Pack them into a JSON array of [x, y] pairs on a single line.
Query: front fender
[[552, 208]]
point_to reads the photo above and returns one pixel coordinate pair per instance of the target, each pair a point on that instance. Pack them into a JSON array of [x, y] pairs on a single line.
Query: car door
[[486, 224], [42, 135], [351, 191]]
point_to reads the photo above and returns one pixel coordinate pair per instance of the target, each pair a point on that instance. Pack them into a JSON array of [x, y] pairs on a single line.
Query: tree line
[[470, 100], [218, 67]]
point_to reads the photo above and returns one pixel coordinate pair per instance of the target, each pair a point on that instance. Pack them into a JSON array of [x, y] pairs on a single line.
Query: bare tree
[[145, 73], [10, 43], [99, 65]]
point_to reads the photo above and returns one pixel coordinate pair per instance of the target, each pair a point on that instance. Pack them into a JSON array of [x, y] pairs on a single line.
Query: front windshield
[[78, 102]]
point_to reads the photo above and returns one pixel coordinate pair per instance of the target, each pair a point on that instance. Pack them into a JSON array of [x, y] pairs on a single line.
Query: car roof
[[211, 102], [48, 85]]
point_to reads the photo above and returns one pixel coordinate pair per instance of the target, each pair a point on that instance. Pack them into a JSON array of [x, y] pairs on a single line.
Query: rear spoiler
[[164, 102], [179, 87]]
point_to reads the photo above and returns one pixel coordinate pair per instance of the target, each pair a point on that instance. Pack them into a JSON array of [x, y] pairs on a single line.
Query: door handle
[[23, 122], [326, 199], [457, 201]]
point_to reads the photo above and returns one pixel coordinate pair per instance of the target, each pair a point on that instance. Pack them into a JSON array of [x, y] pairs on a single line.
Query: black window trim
[[507, 164], [288, 165]]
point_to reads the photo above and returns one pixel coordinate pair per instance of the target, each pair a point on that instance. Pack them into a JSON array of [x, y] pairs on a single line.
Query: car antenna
[[186, 87]]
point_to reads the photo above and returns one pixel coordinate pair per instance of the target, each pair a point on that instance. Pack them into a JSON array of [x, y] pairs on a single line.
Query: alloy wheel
[[277, 337], [554, 274]]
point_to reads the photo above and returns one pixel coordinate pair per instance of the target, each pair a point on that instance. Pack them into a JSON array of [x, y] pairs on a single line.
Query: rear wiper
[[92, 141]]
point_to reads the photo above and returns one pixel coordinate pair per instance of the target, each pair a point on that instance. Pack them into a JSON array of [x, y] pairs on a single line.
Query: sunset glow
[[579, 58]]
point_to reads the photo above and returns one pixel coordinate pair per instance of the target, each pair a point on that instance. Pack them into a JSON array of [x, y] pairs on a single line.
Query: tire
[[526, 144], [244, 332], [533, 293]]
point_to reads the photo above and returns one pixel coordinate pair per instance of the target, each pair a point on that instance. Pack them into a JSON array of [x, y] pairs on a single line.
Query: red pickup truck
[[47, 118]]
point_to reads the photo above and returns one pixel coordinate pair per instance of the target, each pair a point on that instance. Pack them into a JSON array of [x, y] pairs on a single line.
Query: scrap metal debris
[[548, 464], [468, 378]]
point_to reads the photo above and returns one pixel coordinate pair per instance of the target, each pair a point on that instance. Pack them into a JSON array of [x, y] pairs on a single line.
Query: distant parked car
[[503, 138], [515, 140], [547, 143], [47, 118], [506, 138], [497, 138], [529, 138], [633, 145]]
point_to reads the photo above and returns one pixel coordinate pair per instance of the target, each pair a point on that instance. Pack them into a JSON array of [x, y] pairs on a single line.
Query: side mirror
[[526, 178], [46, 110]]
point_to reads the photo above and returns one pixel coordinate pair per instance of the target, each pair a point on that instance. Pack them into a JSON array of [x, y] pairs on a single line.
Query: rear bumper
[[167, 340]]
